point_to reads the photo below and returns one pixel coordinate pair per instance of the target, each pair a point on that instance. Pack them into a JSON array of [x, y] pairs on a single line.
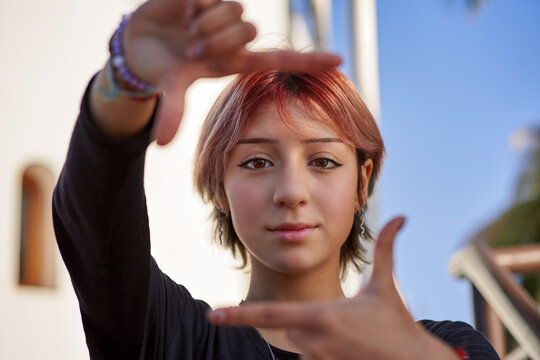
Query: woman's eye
[[255, 164], [324, 163]]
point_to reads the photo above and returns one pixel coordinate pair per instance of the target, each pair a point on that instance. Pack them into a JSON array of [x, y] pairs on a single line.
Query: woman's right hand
[[171, 43]]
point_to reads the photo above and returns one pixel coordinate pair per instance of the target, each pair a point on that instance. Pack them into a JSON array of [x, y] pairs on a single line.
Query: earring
[[220, 229], [362, 215], [219, 214]]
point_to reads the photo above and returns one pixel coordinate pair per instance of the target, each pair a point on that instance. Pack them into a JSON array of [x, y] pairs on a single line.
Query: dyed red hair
[[326, 96]]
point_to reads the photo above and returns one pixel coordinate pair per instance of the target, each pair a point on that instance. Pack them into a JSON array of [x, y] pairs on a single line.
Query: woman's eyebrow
[[322, 140], [259, 140]]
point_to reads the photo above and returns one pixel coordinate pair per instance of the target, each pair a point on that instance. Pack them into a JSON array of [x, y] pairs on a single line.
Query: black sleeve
[[101, 225], [459, 334]]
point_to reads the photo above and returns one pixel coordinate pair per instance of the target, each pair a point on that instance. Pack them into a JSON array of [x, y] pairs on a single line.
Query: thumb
[[383, 261], [169, 114]]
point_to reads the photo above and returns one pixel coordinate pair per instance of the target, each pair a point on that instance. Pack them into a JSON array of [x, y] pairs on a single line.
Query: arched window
[[37, 247]]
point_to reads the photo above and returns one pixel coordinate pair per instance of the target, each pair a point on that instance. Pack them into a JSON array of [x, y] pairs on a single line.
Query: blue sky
[[454, 87]]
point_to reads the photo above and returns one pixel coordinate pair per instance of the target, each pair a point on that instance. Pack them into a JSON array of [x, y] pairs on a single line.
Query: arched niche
[[36, 240]]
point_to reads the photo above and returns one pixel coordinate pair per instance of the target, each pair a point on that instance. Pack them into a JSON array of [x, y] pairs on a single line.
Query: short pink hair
[[326, 96]]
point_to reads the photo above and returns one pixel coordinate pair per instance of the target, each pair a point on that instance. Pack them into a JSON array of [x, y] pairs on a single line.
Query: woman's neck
[[315, 286]]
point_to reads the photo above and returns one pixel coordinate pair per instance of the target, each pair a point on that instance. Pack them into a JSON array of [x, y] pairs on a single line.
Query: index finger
[[266, 315], [286, 60]]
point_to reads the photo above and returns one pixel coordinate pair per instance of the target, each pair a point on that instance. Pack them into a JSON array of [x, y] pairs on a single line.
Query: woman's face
[[292, 197]]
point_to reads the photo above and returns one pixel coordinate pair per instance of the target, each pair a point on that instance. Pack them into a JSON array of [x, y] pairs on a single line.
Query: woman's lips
[[293, 232]]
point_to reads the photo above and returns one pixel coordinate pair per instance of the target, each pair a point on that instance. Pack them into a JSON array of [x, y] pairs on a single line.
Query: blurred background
[[460, 95], [455, 85]]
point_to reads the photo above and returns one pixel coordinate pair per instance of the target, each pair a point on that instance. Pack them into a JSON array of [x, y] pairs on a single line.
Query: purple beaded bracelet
[[117, 69]]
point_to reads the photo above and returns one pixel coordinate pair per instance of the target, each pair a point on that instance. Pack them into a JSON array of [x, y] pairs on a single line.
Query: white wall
[[49, 50]]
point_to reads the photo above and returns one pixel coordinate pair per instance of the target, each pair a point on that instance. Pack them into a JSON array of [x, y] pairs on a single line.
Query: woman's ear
[[222, 203], [365, 173]]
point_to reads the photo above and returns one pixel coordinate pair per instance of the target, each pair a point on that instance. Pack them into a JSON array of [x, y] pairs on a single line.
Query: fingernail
[[403, 220], [218, 315], [334, 60]]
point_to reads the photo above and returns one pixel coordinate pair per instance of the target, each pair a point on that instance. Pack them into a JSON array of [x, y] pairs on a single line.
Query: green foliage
[[520, 224]]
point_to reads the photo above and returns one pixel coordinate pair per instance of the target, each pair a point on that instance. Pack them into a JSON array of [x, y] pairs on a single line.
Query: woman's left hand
[[374, 324]]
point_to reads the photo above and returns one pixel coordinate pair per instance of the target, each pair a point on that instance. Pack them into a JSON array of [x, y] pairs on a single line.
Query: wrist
[[121, 80], [120, 118]]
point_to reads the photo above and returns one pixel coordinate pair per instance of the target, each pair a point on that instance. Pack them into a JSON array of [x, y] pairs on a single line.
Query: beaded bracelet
[[114, 90], [121, 79]]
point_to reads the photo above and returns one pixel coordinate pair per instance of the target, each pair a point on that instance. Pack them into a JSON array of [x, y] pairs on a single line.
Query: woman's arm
[[101, 226]]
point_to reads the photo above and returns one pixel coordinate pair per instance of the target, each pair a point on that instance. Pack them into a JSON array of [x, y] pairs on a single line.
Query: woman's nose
[[291, 188]]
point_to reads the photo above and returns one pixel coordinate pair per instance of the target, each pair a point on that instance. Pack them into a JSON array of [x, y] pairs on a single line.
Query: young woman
[[288, 157]]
